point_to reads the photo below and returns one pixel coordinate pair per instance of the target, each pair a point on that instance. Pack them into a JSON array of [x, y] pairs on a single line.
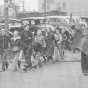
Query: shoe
[[85, 74]]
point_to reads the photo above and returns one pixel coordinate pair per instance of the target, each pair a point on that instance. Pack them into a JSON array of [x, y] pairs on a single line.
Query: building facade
[[76, 7]]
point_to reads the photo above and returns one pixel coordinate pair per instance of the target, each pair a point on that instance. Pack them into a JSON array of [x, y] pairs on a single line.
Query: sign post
[[6, 3]]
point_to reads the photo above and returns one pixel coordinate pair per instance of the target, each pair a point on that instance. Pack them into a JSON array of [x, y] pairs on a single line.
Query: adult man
[[27, 46], [50, 43], [80, 41], [4, 45]]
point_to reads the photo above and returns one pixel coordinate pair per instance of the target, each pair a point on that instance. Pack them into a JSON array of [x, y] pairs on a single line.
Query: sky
[[31, 5], [28, 4], [1, 2], [79, 7]]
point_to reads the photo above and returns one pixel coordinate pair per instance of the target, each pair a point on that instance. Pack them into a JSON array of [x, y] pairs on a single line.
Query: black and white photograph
[[43, 43]]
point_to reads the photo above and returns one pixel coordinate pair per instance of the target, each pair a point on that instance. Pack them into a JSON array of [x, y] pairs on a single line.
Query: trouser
[[56, 54], [27, 54], [28, 61], [4, 60], [84, 62], [15, 65], [61, 51]]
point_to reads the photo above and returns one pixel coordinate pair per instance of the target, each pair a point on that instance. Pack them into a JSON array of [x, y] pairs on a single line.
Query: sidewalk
[[70, 56]]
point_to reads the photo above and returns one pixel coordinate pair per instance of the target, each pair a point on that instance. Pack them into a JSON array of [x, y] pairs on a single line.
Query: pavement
[[70, 56], [65, 74], [58, 75]]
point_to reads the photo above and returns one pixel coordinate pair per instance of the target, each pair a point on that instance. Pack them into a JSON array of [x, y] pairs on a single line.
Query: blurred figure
[[4, 45], [58, 38], [50, 43], [16, 45], [27, 39]]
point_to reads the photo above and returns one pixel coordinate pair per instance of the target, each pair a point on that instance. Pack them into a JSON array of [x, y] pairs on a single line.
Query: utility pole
[[23, 6], [9, 4], [45, 7], [6, 14], [45, 11]]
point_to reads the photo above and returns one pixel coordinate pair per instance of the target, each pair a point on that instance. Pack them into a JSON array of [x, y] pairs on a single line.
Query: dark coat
[[4, 42], [26, 38], [80, 41]]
